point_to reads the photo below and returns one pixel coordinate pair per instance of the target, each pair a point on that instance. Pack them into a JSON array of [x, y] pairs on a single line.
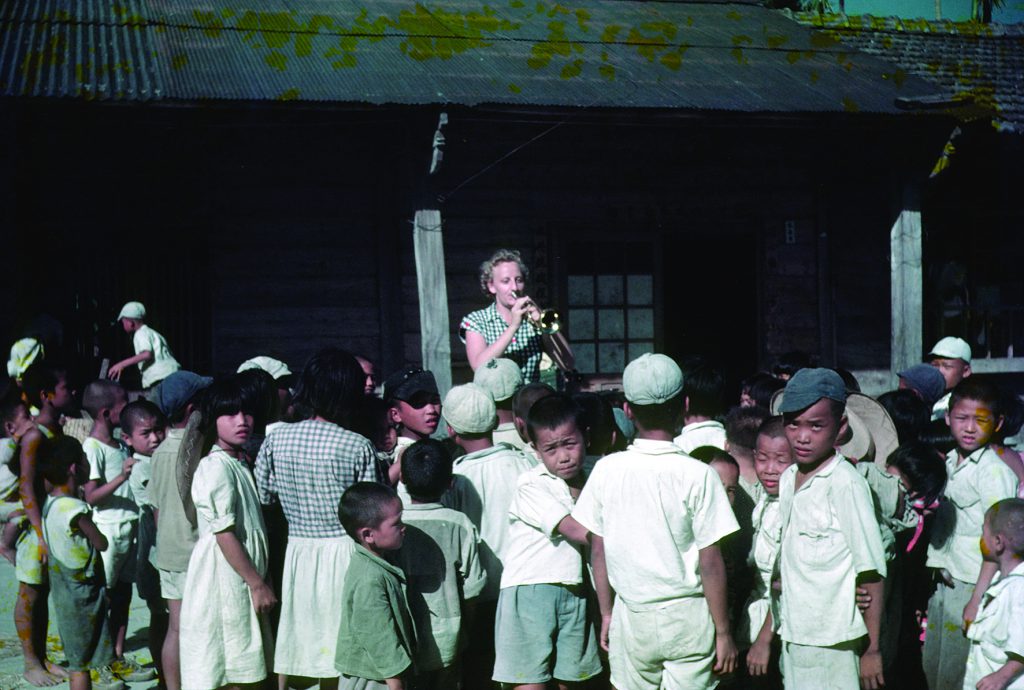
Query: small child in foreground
[[77, 584], [17, 422], [376, 641], [996, 658]]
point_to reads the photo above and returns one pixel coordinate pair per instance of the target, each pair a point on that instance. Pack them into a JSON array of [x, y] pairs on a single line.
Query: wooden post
[[907, 298], [433, 293]]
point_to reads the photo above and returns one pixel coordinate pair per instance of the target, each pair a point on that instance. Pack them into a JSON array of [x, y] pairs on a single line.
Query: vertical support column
[[907, 288], [433, 296]]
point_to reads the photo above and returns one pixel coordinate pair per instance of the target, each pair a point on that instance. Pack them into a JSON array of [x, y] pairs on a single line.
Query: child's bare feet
[[56, 670], [8, 553], [40, 677]]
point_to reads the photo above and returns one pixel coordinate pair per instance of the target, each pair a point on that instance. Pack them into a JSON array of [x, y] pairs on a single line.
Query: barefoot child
[[224, 633], [76, 574]]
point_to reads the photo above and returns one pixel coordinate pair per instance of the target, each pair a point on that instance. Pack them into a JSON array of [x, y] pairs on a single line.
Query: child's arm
[[603, 588], [573, 531], [394, 683], [87, 527], [871, 661], [713, 578], [1010, 671], [115, 370], [26, 484], [988, 571], [96, 493], [761, 651], [263, 598]]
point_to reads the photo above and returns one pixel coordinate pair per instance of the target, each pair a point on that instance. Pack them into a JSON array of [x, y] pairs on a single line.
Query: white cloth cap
[[500, 377], [952, 348], [652, 379], [469, 409], [274, 367], [132, 310]]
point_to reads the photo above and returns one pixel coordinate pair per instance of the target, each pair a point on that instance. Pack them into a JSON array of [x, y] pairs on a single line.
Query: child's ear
[[395, 416], [9, 429], [365, 534], [628, 410], [844, 427]]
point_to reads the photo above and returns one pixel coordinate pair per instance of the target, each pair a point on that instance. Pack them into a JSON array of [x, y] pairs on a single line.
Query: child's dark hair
[[222, 397], [371, 419], [101, 394], [937, 433], [1006, 518], [704, 389], [553, 411], [259, 394], [331, 385], [710, 454], [849, 380], [40, 378], [762, 390], [138, 412], [909, 413], [979, 390], [363, 505], [922, 467], [1013, 416], [598, 420], [663, 416], [741, 425], [56, 458], [10, 403], [773, 427], [524, 398], [791, 362], [427, 469]]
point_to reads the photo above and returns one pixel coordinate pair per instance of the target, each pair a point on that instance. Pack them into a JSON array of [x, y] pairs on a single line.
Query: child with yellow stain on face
[[978, 479]]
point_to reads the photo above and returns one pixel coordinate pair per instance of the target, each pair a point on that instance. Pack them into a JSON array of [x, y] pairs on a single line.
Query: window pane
[[641, 323], [581, 324], [581, 290], [641, 289], [609, 290], [610, 324], [637, 349], [584, 358], [612, 358]]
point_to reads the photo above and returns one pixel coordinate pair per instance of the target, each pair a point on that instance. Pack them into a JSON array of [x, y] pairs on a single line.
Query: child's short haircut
[[363, 505], [974, 388], [99, 395], [259, 395], [223, 397], [331, 384], [599, 421], [704, 389], [1012, 410], [922, 467], [663, 416], [1006, 518], [849, 380], [427, 469], [40, 378], [791, 362], [909, 413], [371, 419], [773, 427], [526, 396], [742, 423], [57, 456], [552, 412], [9, 406], [710, 454], [139, 412]]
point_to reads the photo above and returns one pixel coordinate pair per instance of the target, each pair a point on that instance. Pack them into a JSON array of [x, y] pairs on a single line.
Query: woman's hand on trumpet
[[524, 307]]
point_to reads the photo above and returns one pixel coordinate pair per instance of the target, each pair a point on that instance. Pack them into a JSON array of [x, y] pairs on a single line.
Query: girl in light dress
[[225, 636]]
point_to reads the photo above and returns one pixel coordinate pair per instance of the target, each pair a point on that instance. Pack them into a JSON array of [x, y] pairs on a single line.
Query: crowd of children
[[290, 530]]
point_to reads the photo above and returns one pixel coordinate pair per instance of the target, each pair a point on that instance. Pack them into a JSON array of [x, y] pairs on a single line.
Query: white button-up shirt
[[998, 630]]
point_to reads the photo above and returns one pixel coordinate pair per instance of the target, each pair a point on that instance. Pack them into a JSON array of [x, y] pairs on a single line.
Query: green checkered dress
[[525, 349]]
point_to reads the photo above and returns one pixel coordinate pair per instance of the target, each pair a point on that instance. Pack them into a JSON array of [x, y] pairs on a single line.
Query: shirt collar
[[825, 471], [954, 457], [421, 507], [496, 448], [361, 550], [649, 446], [1000, 581]]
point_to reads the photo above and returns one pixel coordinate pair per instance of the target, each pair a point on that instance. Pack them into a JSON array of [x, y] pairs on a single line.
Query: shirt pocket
[[821, 547]]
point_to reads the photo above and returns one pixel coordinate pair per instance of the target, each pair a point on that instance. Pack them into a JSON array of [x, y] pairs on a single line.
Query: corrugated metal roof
[[603, 53]]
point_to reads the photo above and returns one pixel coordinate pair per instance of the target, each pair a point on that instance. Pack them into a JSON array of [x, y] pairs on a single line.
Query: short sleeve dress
[[222, 636], [526, 347]]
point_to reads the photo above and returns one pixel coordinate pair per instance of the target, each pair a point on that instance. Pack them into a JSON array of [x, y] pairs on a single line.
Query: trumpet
[[546, 321]]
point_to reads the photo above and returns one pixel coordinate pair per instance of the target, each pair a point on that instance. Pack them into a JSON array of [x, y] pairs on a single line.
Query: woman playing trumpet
[[505, 328]]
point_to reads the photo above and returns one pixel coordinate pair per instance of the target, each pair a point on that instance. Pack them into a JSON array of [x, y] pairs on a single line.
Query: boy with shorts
[[441, 561], [657, 516], [543, 629], [831, 544], [376, 640], [151, 352], [978, 478], [996, 659]]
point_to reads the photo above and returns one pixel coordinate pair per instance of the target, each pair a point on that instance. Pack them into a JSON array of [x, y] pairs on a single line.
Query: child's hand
[[126, 469], [871, 677], [758, 656], [725, 654], [263, 598], [994, 681], [114, 372], [970, 613], [863, 599], [606, 625]]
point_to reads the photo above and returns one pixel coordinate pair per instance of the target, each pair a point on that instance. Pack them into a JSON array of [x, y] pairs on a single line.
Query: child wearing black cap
[[831, 543], [414, 407]]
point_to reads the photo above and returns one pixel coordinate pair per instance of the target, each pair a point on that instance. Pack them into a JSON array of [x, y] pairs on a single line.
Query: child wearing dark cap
[[831, 543], [414, 405]]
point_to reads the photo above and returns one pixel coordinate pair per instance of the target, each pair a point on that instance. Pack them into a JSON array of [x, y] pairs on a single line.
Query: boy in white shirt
[[151, 352], [703, 389], [502, 378], [996, 659], [831, 543], [656, 518], [542, 628], [952, 357]]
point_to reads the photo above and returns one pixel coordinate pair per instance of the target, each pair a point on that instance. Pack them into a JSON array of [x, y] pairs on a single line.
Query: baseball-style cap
[[500, 377], [274, 367], [405, 383], [132, 310], [469, 409], [652, 379], [177, 389], [952, 348], [926, 381], [23, 353], [808, 386]]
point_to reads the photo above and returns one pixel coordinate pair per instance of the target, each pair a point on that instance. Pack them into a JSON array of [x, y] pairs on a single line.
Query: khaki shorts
[[29, 567], [821, 668], [172, 584], [119, 558]]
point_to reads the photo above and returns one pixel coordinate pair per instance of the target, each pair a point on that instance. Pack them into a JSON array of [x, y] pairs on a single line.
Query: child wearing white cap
[[658, 515], [490, 471], [952, 357], [151, 352], [502, 378]]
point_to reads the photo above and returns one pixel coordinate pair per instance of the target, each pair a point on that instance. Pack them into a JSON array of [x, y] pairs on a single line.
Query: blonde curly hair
[[499, 257]]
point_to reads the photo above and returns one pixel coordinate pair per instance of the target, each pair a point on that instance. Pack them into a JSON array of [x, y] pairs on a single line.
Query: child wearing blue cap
[[831, 543]]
